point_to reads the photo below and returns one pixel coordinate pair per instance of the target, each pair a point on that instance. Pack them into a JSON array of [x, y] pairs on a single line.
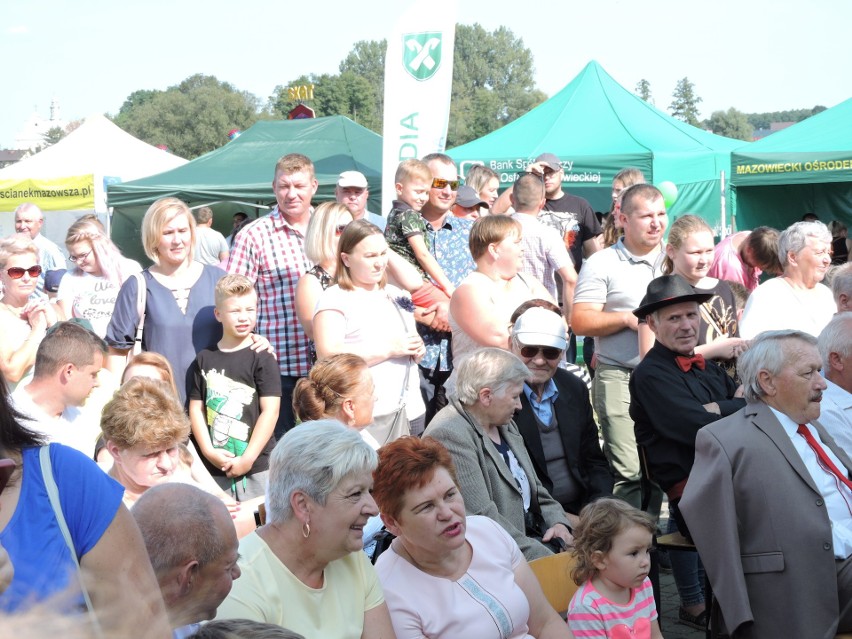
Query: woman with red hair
[[448, 575]]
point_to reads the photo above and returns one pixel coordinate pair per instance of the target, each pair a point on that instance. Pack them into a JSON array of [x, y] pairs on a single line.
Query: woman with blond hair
[[324, 230], [177, 315], [90, 288], [689, 253], [23, 322]]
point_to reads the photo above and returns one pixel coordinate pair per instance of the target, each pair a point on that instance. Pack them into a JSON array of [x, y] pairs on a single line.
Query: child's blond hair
[[232, 286], [600, 522], [412, 169]]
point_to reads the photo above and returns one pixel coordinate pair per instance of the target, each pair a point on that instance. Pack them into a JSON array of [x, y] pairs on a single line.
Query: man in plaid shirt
[[270, 252]]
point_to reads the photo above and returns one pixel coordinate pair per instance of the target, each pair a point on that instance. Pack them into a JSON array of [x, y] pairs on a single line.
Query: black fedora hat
[[665, 291]]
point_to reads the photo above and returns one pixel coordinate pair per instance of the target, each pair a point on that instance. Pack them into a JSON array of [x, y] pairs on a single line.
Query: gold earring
[[306, 530]]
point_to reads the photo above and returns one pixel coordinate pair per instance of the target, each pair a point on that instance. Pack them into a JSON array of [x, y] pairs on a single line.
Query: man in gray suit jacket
[[770, 517]]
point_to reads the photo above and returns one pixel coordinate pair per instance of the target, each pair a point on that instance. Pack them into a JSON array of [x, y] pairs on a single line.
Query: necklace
[[14, 310]]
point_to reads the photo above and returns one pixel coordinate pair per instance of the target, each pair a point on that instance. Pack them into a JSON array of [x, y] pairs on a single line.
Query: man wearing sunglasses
[[29, 219], [556, 419], [448, 238]]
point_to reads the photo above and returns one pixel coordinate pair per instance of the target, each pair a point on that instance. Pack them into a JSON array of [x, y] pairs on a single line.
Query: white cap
[[352, 178], [540, 327]]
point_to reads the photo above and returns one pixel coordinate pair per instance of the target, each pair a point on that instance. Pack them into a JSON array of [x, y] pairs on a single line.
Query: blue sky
[[755, 55]]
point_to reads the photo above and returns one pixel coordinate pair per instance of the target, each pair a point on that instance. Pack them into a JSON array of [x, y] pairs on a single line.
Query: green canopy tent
[[238, 176], [806, 168], [597, 127]]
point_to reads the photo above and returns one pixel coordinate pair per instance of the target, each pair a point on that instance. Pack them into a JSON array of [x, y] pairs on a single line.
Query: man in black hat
[[673, 393]]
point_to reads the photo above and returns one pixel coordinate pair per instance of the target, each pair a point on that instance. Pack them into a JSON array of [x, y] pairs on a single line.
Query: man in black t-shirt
[[572, 216]]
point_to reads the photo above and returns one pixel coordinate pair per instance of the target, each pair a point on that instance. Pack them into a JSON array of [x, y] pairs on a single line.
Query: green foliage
[[731, 123], [191, 118], [346, 94], [643, 90], [492, 84], [52, 136], [684, 106], [763, 120]]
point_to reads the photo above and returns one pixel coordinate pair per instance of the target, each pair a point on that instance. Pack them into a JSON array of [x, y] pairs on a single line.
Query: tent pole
[[724, 231]]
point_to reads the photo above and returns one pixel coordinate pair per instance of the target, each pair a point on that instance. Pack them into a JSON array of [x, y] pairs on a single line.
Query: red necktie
[[824, 459], [686, 363]]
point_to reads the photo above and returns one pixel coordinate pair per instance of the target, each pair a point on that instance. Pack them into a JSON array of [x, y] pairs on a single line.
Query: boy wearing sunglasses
[[556, 419]]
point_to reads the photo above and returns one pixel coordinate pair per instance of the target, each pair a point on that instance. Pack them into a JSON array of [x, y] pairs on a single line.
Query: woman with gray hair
[[496, 475], [796, 299], [304, 569]]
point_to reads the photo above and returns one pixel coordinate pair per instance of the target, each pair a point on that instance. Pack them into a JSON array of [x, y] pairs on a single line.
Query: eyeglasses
[[548, 351], [81, 257], [441, 183], [338, 230], [17, 272]]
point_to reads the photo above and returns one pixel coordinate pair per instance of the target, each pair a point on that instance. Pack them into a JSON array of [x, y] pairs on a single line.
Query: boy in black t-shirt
[[235, 396]]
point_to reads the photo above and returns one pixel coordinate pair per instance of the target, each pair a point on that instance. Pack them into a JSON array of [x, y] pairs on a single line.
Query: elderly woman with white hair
[[495, 473], [796, 299], [304, 568]]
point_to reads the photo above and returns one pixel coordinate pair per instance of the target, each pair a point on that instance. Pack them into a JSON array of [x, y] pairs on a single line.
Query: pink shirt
[[590, 614], [728, 265]]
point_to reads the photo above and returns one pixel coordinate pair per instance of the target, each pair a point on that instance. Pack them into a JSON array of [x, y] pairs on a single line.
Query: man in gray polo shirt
[[611, 285]]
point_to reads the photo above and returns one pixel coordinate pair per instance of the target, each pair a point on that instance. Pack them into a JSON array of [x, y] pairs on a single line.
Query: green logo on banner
[[421, 53]]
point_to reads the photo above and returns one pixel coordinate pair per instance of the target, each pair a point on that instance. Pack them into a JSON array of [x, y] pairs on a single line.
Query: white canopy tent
[[69, 179]]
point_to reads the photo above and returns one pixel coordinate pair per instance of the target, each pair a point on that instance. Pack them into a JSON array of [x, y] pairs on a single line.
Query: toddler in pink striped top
[[612, 545]]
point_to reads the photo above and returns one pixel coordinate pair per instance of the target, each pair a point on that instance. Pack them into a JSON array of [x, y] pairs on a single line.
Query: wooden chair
[[554, 576]]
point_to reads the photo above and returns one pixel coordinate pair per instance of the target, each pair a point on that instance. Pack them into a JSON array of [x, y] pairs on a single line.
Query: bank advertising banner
[[418, 85], [74, 193]]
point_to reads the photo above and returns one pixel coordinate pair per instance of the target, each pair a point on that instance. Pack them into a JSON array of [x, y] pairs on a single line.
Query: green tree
[[643, 90], [346, 94], [684, 106], [493, 84], [52, 136], [191, 118], [731, 124], [367, 60], [764, 120]]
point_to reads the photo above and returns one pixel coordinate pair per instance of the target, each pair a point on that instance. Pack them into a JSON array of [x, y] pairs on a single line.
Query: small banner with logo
[[418, 85]]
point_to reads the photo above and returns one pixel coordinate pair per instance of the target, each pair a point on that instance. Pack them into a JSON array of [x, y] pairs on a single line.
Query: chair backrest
[[554, 576]]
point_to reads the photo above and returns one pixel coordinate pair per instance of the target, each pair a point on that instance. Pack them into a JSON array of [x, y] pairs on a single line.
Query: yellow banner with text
[[76, 193]]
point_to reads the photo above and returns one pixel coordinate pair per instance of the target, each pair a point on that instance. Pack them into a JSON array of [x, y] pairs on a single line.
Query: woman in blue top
[[113, 562], [178, 312]]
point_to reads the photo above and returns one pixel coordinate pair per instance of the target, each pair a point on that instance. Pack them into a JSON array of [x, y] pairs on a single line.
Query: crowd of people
[[347, 425]]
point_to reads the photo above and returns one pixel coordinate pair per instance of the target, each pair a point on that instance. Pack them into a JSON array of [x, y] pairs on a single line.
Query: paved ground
[[669, 625]]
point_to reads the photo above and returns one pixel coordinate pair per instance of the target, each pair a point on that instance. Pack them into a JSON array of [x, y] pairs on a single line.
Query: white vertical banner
[[418, 85]]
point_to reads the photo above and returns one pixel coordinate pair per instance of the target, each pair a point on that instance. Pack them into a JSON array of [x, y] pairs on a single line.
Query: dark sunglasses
[[440, 183], [549, 352], [340, 228], [17, 272]]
